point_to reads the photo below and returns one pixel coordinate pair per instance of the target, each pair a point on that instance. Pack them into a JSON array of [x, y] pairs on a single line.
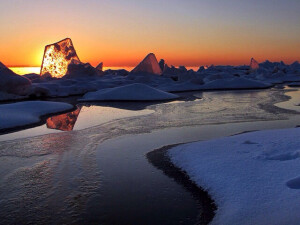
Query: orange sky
[[121, 33]]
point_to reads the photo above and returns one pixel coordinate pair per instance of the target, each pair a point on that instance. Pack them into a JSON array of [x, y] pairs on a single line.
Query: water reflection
[[64, 122]]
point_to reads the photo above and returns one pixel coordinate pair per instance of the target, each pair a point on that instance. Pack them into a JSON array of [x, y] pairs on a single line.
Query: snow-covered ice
[[64, 75], [131, 92], [12, 83], [254, 178], [29, 112]]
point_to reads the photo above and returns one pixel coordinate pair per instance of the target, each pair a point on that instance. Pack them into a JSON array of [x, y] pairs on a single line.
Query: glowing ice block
[[57, 58]]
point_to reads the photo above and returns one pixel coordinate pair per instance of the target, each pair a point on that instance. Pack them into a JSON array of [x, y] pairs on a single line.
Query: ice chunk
[[82, 70], [201, 68], [162, 64], [254, 64], [57, 58], [148, 65], [100, 66], [13, 83], [131, 92]]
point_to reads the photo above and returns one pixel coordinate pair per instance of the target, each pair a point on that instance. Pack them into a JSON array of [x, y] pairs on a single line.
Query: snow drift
[[13, 83], [254, 177]]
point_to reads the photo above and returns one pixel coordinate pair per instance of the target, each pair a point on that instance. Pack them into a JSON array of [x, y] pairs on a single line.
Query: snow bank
[[26, 113], [12, 83], [131, 92], [254, 177]]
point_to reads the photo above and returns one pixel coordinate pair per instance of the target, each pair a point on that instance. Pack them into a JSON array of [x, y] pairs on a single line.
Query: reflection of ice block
[[254, 64], [64, 122], [148, 65], [57, 57]]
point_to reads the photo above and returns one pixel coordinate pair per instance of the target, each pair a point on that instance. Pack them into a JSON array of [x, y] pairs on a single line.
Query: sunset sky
[[122, 32]]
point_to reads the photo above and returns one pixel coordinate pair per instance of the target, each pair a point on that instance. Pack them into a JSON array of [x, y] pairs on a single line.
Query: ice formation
[[100, 66], [254, 64], [57, 58], [148, 65], [162, 64], [12, 83]]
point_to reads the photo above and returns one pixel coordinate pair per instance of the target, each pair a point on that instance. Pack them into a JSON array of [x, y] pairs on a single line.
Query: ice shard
[[162, 64], [100, 66], [254, 64], [57, 58], [148, 65]]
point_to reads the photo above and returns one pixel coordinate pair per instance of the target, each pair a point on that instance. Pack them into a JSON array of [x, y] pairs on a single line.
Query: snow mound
[[13, 83], [148, 65], [26, 113], [131, 92], [254, 178]]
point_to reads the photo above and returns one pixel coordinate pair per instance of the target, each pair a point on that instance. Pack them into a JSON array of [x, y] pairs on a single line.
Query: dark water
[[101, 175]]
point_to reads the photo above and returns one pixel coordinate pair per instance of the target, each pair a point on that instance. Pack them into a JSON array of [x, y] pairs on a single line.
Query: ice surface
[[57, 58], [254, 177], [29, 112], [131, 92], [148, 65]]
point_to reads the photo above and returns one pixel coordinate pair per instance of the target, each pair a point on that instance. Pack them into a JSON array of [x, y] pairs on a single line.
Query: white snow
[[29, 112], [254, 178], [131, 92]]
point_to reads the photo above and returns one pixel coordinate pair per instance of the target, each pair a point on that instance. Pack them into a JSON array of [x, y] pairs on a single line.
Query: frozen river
[[91, 166]]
